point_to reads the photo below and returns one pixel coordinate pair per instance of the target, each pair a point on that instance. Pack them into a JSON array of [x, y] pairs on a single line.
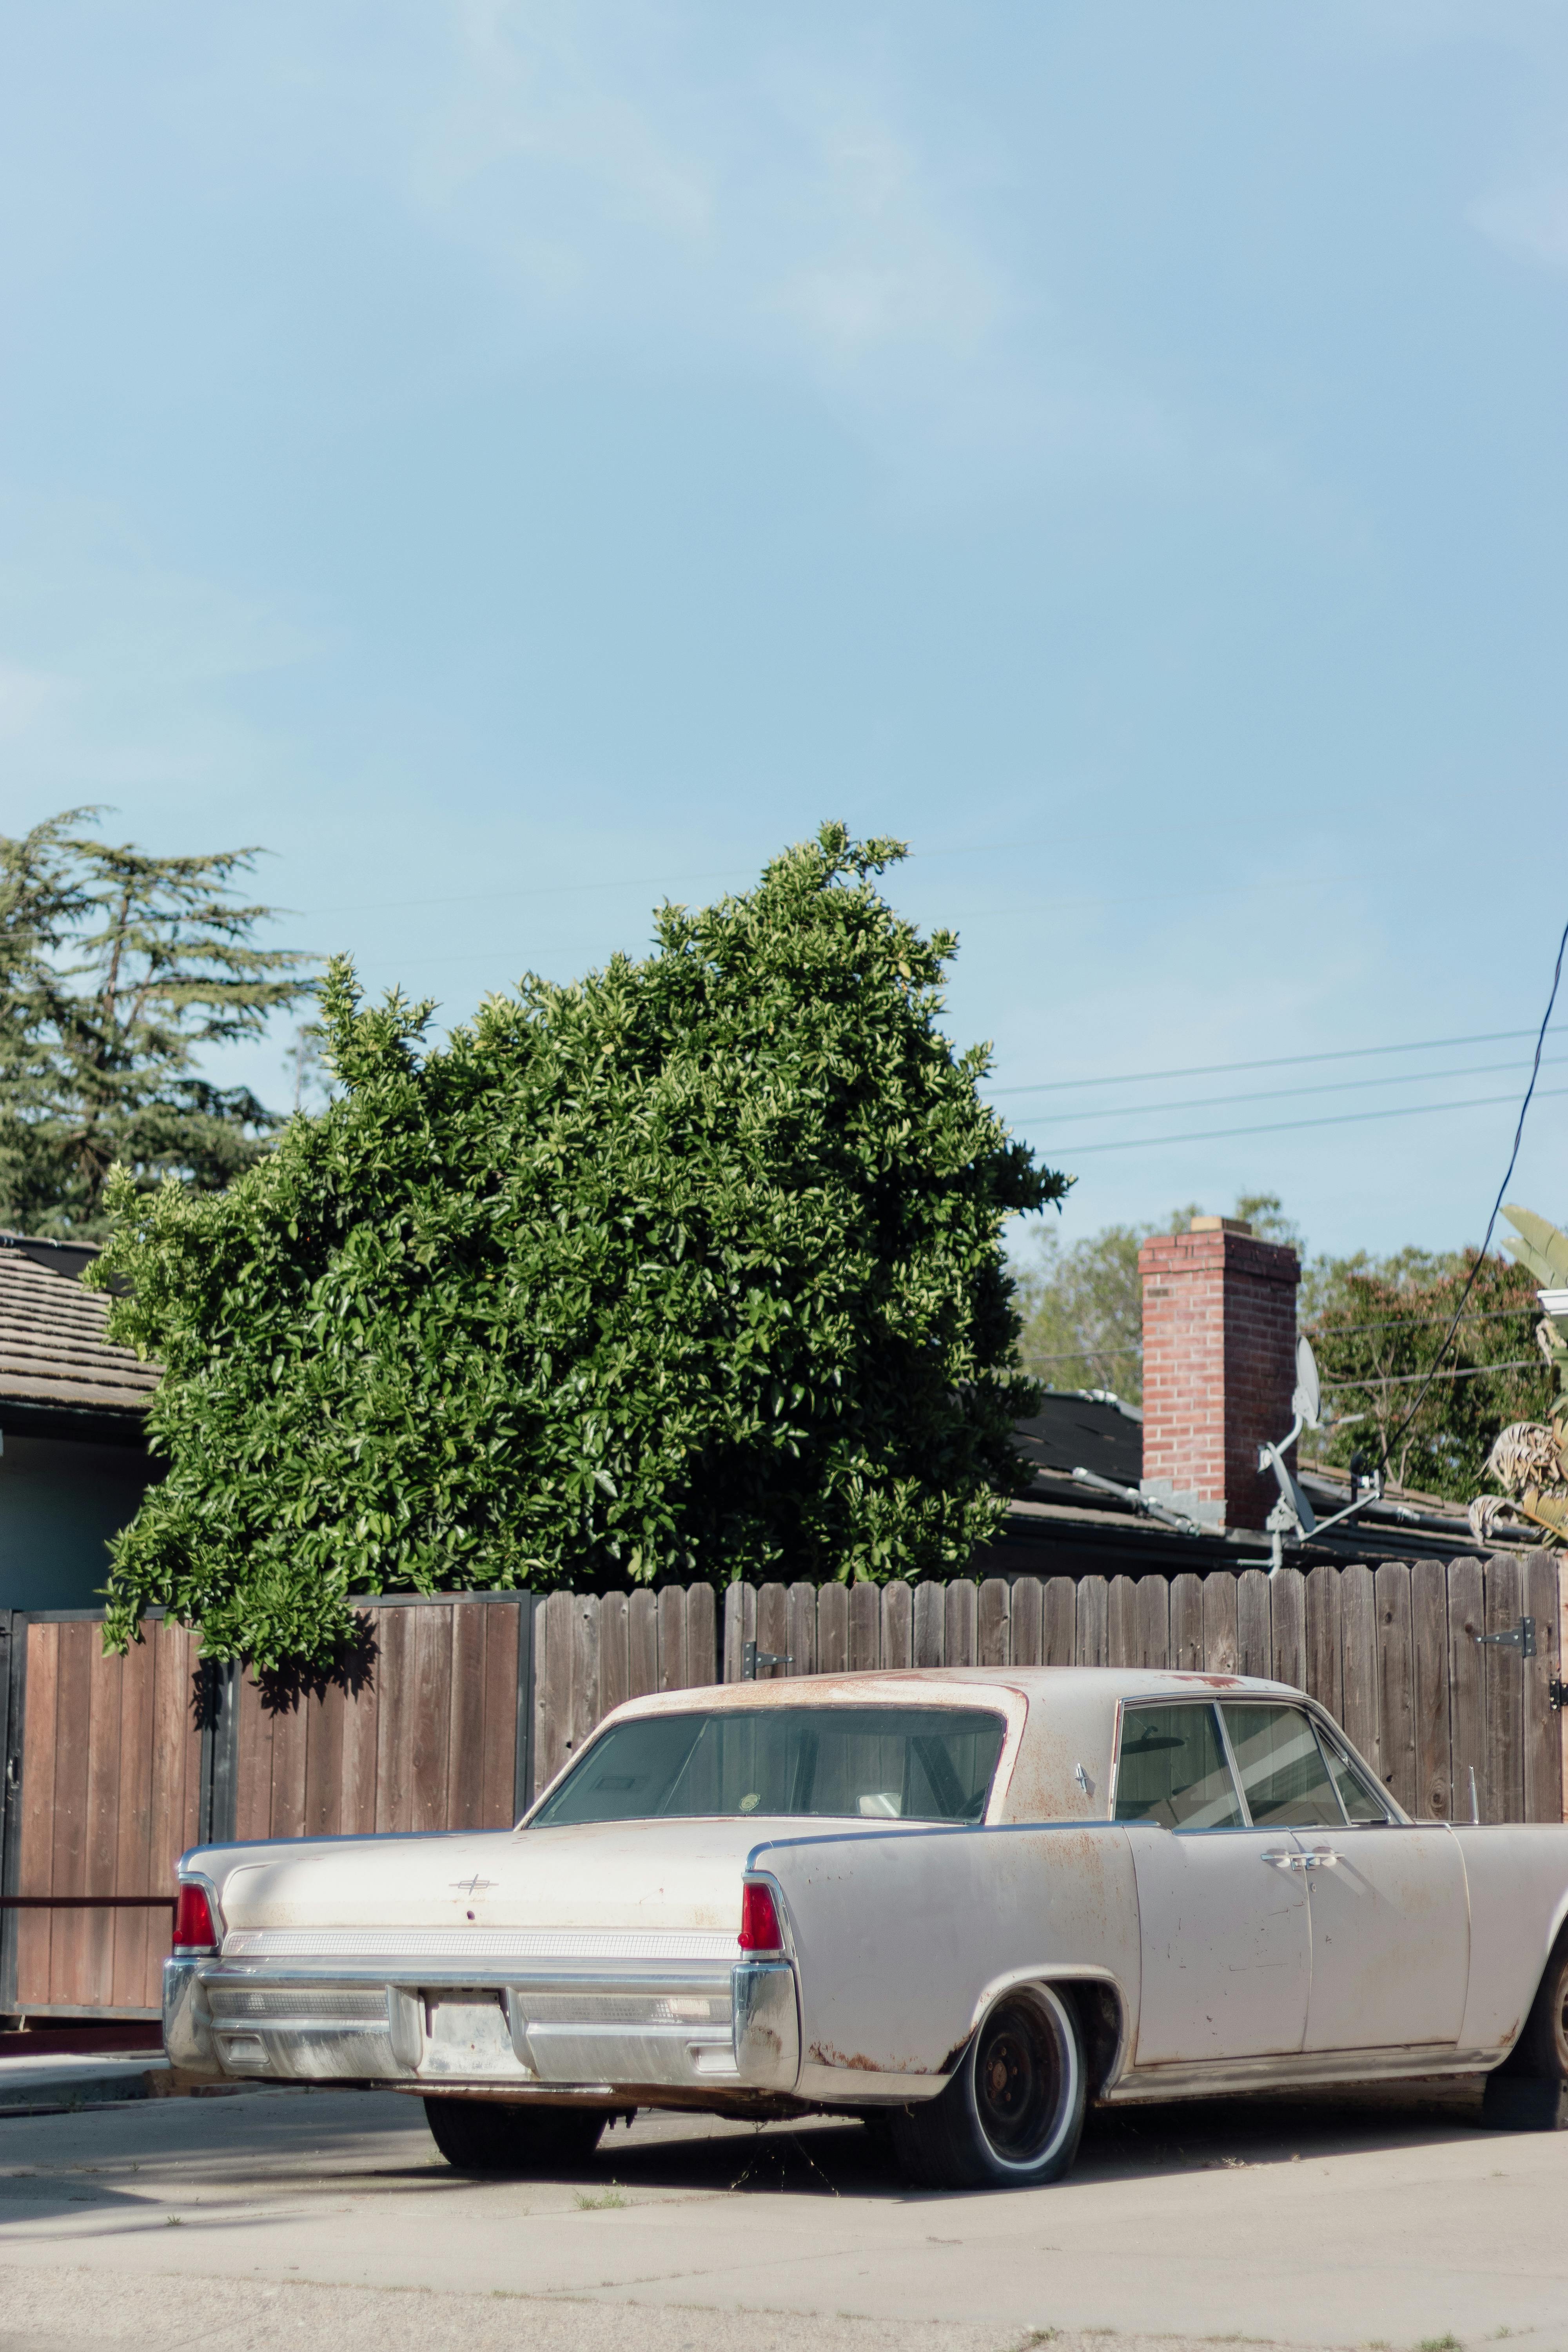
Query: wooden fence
[[459, 1711], [1391, 1652]]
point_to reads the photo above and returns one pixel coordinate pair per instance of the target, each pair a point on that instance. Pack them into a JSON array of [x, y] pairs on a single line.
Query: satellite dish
[[1308, 1401]]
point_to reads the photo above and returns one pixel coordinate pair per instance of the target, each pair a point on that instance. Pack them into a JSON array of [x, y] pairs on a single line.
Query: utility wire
[[1292, 1126], [1496, 1204], [1269, 1062], [1295, 1094], [1404, 1380]]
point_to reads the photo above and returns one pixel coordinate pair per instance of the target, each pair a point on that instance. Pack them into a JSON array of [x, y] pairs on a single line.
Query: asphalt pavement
[[308, 2218]]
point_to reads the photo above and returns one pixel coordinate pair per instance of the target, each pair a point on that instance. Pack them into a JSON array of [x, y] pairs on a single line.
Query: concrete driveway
[[308, 2218]]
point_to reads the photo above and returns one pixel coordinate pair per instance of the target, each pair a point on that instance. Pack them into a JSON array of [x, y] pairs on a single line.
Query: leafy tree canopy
[[1376, 1325], [692, 1269], [117, 969]]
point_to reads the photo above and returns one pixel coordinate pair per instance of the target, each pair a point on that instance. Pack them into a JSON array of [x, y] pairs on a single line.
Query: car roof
[[960, 1686]]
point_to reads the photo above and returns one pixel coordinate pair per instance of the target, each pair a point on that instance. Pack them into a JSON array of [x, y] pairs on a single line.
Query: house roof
[[55, 1359], [1062, 1527]]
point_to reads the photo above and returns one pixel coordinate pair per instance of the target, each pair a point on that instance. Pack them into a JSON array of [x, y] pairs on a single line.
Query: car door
[[1388, 1902], [1223, 1912]]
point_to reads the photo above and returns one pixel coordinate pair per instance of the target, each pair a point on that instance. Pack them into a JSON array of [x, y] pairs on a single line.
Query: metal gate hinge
[[1556, 1693], [1519, 1637], [752, 1658]]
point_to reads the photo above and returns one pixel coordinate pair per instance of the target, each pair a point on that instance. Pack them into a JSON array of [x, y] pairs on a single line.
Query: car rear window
[[859, 1763]]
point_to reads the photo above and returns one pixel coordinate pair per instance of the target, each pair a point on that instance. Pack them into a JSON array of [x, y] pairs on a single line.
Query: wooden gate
[[107, 1794]]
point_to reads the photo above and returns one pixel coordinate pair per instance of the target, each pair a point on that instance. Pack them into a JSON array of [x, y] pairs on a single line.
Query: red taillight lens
[[759, 1919], [193, 1928]]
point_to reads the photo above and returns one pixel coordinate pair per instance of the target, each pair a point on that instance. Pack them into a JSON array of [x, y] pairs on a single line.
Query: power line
[[1496, 1204], [1406, 1379], [1269, 1062], [1293, 1094], [1292, 1126]]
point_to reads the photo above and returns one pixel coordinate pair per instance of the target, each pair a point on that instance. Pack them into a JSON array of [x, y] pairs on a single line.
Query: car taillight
[[759, 1919], [193, 1928]]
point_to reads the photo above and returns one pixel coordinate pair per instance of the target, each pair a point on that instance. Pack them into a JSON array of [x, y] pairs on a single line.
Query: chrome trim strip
[[401, 1944], [1213, 2077], [452, 1977]]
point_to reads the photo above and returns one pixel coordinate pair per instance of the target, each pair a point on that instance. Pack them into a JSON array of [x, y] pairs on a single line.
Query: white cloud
[[1530, 218], [734, 207]]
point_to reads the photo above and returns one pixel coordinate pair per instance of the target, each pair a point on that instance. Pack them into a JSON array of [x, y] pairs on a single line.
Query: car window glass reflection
[[1361, 1804], [883, 1763], [1172, 1770], [1283, 1775]]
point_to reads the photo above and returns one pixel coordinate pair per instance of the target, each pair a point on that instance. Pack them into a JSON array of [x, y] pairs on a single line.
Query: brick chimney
[[1219, 1364]]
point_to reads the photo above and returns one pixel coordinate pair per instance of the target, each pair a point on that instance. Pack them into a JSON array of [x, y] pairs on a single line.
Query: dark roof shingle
[[53, 1350]]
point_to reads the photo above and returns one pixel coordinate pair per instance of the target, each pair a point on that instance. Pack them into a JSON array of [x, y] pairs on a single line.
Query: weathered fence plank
[[614, 1649], [833, 1630], [1219, 1624], [1254, 1635], [931, 1625], [865, 1629], [1396, 1681], [1092, 1627], [1151, 1620], [994, 1623], [1466, 1691], [772, 1632], [1325, 1663], [1503, 1676], [642, 1642], [1121, 1624], [800, 1638], [1059, 1636], [960, 1615], [1028, 1622], [1359, 1614], [897, 1625], [1543, 1757], [1187, 1650], [672, 1673], [1435, 1793], [1287, 1627]]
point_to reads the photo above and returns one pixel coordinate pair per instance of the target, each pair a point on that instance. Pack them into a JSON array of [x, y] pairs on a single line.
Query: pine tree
[[117, 971]]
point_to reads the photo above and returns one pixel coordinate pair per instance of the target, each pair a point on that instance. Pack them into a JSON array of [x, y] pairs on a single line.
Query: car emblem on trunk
[[470, 1885]]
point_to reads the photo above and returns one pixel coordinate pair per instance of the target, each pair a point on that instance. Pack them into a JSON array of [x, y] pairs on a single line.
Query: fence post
[[523, 1751], [13, 1693], [216, 1803]]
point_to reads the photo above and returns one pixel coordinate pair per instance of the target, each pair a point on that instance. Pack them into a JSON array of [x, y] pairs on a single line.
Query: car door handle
[[1322, 1857], [1280, 1859]]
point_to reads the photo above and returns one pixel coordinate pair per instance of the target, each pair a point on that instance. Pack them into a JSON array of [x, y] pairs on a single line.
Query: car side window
[[1361, 1803], [1172, 1769], [1283, 1776]]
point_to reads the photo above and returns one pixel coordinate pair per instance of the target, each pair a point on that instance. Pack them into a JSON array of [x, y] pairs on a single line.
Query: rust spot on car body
[[823, 2053]]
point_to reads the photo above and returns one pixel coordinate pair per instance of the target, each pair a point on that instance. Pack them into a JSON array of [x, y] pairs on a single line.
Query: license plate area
[[467, 2033]]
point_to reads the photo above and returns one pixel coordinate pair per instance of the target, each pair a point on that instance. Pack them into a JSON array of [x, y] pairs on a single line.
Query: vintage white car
[[955, 1904]]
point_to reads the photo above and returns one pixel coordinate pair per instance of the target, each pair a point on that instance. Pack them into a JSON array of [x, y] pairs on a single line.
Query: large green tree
[[118, 972], [692, 1269], [1378, 1325]]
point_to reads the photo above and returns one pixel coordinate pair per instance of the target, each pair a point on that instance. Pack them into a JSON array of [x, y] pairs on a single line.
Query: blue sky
[[516, 462]]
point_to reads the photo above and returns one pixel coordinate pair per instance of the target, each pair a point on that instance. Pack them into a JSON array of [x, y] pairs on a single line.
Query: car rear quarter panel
[[1517, 1875], [902, 1941]]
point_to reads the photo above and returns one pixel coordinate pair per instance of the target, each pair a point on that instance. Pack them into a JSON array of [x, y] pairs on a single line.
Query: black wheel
[[1012, 2114], [1543, 2047], [504, 2136]]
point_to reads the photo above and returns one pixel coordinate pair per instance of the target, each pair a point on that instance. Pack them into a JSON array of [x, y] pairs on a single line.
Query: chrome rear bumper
[[609, 2027]]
